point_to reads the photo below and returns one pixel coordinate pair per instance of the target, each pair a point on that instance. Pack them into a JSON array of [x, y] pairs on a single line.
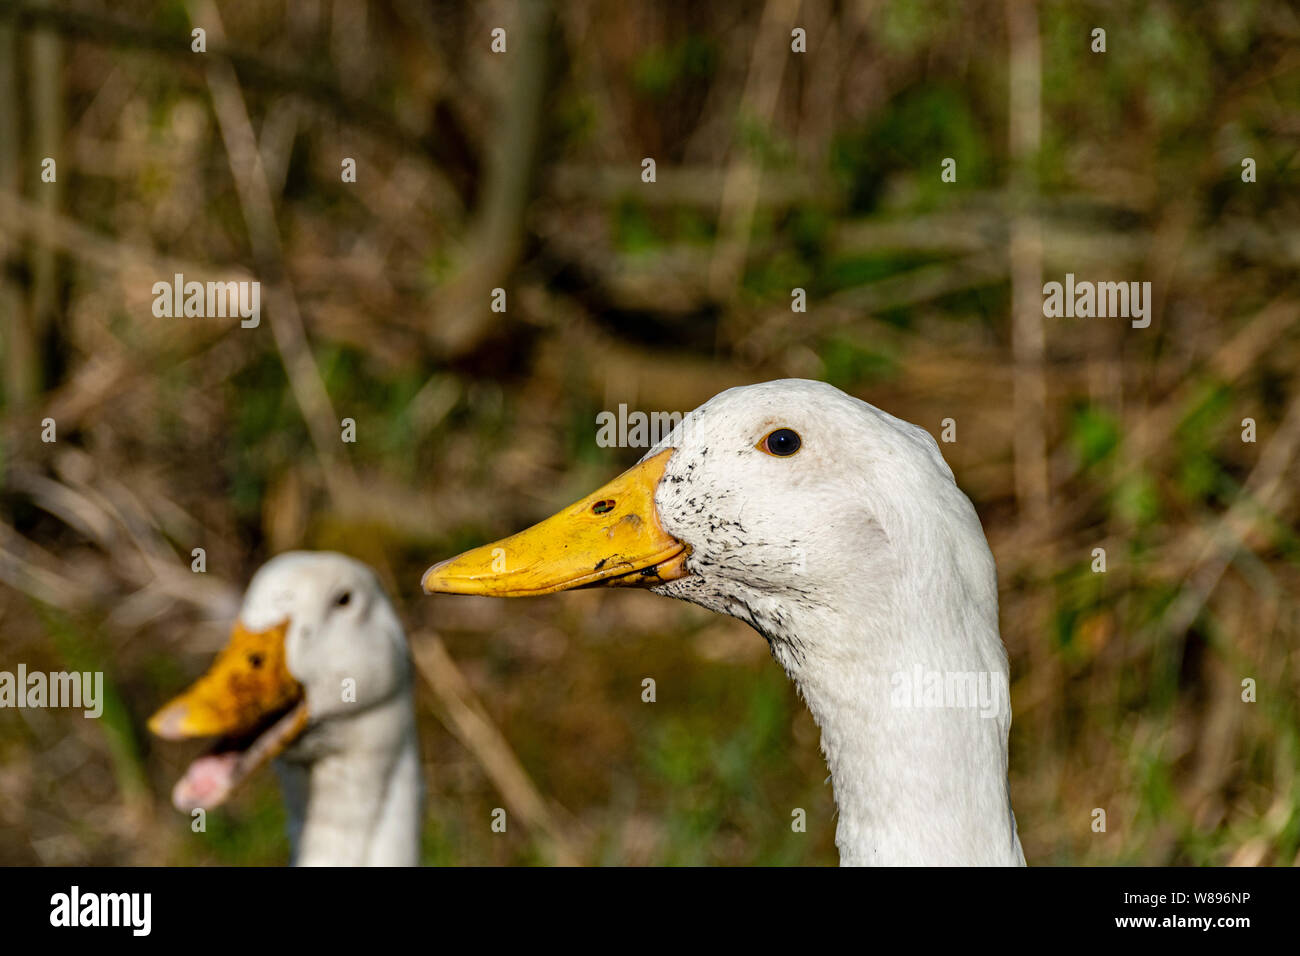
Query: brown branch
[[1269, 485], [469, 721], [1028, 336], [258, 206], [741, 187], [16, 340], [90, 27], [496, 236]]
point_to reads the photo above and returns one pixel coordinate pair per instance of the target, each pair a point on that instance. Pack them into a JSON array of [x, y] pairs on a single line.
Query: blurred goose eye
[[344, 599], [782, 443]]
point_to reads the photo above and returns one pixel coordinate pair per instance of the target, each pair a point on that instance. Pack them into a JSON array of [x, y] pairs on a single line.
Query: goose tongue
[[207, 782], [210, 779]]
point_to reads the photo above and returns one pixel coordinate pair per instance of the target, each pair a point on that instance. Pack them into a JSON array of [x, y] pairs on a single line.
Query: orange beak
[[611, 538], [247, 698]]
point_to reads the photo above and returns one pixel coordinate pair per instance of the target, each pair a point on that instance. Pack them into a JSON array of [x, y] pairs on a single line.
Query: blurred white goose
[[837, 532], [316, 674]]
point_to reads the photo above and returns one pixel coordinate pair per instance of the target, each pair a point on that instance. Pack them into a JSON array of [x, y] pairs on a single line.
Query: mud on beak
[[247, 699], [611, 538]]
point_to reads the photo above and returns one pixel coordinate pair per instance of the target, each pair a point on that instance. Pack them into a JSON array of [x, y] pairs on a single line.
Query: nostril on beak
[[604, 506]]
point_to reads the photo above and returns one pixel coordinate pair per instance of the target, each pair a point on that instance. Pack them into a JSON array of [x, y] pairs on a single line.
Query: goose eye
[[344, 599], [782, 443]]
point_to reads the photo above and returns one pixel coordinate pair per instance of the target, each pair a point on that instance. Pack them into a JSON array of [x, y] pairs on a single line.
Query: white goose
[[837, 532], [317, 674]]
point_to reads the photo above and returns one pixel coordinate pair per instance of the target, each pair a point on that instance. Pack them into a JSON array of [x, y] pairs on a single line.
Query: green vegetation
[[192, 432]]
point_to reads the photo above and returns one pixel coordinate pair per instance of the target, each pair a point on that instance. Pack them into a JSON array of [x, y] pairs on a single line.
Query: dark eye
[[344, 599], [783, 443]]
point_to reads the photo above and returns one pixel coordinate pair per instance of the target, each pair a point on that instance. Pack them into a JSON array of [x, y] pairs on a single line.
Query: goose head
[[780, 504], [838, 532], [316, 647]]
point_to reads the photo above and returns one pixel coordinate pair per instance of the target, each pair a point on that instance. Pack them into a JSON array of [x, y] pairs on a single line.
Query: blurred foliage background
[[775, 170]]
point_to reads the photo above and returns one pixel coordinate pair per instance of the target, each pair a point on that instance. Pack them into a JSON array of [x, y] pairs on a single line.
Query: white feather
[[864, 565], [352, 780]]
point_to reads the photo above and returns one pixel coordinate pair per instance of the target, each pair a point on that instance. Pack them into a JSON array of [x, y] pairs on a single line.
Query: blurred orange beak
[[247, 698], [248, 682], [611, 538]]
